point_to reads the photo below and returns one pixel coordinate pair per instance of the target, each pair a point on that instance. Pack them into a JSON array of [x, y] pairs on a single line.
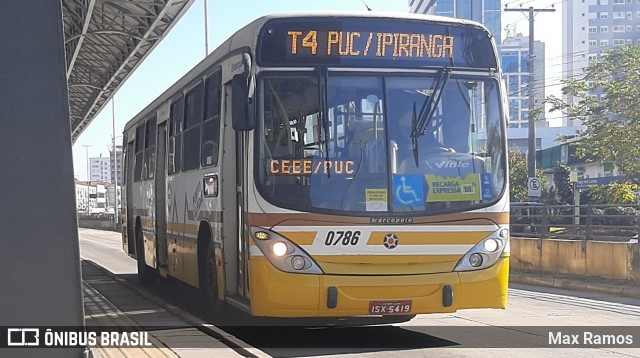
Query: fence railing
[[584, 222]]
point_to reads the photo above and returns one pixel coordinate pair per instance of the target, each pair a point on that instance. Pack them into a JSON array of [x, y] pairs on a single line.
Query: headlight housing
[[282, 253], [485, 253]]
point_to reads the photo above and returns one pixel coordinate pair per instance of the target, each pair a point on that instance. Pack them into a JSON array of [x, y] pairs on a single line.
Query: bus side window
[[211, 129], [175, 136], [139, 150], [193, 108], [149, 149]]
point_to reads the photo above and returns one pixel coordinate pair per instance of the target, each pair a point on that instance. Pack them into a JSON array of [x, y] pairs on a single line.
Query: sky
[[184, 47]]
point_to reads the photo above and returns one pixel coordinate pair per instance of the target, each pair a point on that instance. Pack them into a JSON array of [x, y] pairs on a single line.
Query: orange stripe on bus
[[300, 238]]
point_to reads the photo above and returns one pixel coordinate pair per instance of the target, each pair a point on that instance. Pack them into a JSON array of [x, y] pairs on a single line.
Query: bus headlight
[[281, 252], [491, 245], [485, 253], [297, 262], [279, 248], [475, 260]]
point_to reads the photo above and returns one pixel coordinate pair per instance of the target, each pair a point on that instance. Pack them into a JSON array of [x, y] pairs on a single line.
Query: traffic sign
[[534, 187]]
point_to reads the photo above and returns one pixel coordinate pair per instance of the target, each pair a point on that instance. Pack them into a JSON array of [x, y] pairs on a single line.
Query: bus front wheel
[[210, 280], [146, 274]]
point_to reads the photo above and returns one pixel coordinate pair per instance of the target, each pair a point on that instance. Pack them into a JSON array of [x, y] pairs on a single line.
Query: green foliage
[[562, 184], [614, 193], [518, 175], [607, 99]]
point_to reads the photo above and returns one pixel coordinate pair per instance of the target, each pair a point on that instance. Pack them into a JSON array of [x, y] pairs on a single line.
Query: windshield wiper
[[419, 126], [414, 138], [431, 103], [324, 121]]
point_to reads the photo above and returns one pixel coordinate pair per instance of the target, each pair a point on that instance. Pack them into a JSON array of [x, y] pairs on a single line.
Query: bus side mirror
[[242, 90]]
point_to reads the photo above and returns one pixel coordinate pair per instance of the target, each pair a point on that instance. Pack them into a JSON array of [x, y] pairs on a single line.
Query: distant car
[[634, 239]]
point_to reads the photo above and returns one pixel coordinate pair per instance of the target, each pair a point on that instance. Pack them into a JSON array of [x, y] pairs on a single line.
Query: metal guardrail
[[583, 222]]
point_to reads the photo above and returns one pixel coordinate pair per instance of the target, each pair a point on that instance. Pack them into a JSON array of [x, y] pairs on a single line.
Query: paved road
[[522, 329]]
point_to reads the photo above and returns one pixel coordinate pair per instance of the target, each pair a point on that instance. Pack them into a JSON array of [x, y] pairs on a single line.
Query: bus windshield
[[354, 145]]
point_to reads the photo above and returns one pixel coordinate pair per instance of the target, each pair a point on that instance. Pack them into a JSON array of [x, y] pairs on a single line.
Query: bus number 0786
[[342, 237]]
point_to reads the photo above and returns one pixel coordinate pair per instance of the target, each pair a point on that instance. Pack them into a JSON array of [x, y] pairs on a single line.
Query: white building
[[92, 198], [82, 196], [100, 169], [592, 26], [118, 155]]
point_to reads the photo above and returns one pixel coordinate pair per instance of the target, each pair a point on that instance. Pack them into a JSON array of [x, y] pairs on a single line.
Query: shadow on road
[[286, 338]]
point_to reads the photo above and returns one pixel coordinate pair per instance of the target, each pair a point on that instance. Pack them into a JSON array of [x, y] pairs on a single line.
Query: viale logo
[[448, 164]]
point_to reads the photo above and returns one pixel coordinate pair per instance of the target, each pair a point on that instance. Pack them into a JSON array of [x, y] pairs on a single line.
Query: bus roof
[[370, 14]]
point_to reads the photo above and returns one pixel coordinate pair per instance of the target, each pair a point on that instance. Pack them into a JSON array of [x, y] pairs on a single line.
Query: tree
[[518, 175], [614, 193], [607, 99], [562, 184]]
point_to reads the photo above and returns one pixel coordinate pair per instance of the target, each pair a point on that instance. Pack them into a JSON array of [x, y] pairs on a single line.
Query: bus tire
[[146, 274], [210, 279], [169, 280]]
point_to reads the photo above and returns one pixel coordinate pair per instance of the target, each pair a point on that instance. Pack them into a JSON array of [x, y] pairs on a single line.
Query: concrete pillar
[[40, 260]]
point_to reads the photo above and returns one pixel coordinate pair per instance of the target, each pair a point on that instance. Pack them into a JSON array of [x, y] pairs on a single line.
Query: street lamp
[[116, 210], [86, 146]]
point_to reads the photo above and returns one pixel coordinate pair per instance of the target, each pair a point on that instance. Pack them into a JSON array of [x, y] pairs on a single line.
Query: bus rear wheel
[[210, 280], [146, 274]]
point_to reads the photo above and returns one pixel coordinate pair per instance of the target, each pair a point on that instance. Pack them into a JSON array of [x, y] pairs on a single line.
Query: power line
[[531, 156]]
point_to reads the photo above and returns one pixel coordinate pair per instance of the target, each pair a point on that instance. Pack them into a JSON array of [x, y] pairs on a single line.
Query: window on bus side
[[149, 149], [193, 110], [211, 127], [175, 136], [139, 153]]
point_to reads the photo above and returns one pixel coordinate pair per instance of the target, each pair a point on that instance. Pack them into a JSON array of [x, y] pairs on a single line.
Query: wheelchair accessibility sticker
[[408, 190]]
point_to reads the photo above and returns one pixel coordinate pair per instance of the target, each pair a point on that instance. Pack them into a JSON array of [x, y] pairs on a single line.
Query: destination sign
[[384, 44], [308, 166], [374, 42]]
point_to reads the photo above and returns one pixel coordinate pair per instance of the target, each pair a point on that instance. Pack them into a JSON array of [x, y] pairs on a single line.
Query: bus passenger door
[[129, 160], [243, 245], [233, 189], [161, 195]]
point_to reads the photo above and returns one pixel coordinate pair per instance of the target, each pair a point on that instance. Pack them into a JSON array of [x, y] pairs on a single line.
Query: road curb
[[231, 341], [567, 284]]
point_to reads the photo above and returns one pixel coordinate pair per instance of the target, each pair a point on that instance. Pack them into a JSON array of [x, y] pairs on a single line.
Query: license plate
[[389, 307]]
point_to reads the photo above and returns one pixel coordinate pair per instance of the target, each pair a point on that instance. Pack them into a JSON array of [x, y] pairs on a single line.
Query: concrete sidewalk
[[110, 302], [577, 283]]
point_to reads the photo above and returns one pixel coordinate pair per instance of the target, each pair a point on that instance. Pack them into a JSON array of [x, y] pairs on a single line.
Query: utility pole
[[115, 163], [531, 155], [86, 146]]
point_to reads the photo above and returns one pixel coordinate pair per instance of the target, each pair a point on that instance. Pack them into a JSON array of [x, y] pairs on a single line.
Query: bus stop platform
[[112, 305]]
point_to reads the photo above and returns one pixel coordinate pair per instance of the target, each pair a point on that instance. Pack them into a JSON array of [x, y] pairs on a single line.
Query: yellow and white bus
[[328, 165]]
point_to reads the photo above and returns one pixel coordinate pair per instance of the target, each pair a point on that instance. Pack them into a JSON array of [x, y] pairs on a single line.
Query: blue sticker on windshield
[[486, 185], [408, 190]]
